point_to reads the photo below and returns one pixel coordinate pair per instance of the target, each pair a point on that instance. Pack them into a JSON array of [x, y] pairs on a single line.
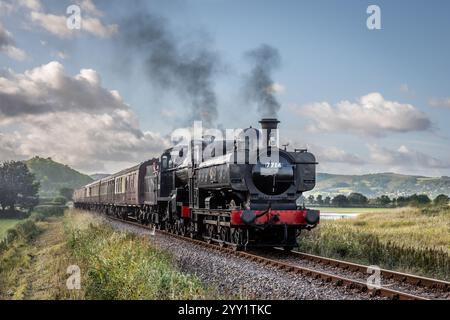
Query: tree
[[66, 193], [423, 199], [17, 186], [441, 200], [357, 199], [311, 199], [327, 201], [383, 200], [60, 200], [319, 199], [402, 201], [340, 201], [418, 200]]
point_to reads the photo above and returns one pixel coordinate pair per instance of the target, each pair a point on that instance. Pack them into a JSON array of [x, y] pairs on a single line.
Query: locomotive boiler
[[241, 192]]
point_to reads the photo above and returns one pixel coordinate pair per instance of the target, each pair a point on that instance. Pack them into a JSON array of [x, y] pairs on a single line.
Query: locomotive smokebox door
[[248, 216]]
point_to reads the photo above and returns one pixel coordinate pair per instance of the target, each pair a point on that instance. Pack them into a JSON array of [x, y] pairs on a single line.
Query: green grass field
[[353, 210], [6, 224]]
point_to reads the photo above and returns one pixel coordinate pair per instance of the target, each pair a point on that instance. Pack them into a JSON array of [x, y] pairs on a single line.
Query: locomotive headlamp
[[312, 216], [248, 216]]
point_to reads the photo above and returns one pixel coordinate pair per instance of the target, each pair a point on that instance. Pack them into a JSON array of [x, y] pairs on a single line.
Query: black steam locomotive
[[241, 193]]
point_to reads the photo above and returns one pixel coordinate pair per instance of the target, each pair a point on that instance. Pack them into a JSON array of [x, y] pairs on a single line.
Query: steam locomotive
[[242, 192]]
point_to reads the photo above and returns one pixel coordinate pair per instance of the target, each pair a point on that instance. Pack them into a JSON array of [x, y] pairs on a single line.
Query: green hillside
[[374, 185], [54, 176]]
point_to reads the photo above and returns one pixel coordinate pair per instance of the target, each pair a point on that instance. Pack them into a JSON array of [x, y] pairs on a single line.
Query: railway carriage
[[226, 198]]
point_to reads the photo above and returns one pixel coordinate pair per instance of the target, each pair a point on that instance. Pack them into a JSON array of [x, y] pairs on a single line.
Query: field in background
[[6, 224], [351, 210], [415, 240]]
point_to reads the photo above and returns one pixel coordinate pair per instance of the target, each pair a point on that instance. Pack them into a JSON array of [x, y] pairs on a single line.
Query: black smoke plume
[[259, 86], [188, 70]]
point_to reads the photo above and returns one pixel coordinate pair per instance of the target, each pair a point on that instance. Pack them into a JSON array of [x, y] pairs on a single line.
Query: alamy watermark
[[74, 280], [74, 19], [246, 146], [374, 280], [374, 20]]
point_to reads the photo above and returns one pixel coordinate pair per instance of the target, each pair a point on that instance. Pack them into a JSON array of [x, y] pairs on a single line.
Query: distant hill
[[374, 185], [98, 176], [53, 176]]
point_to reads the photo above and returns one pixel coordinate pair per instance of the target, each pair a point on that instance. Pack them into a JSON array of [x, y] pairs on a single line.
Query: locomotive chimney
[[270, 129]]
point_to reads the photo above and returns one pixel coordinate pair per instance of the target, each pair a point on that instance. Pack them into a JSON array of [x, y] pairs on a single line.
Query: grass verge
[[113, 264], [118, 265]]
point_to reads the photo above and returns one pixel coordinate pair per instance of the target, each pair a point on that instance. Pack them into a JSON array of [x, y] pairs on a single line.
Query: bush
[[441, 200], [26, 231], [46, 211], [60, 200]]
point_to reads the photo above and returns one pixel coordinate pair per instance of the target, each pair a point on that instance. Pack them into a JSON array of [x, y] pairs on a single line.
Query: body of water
[[336, 215]]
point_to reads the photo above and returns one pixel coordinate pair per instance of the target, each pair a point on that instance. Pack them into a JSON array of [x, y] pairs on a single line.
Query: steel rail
[[385, 273]]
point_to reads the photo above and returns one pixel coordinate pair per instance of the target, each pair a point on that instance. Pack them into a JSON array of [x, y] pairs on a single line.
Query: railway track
[[284, 261]]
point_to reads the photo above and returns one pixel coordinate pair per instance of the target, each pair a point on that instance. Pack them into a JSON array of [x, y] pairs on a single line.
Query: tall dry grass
[[413, 240], [119, 265]]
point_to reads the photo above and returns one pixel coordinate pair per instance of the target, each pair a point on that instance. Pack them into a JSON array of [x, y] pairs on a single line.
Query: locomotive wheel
[[209, 232], [223, 235], [178, 228], [191, 230], [184, 230], [237, 236]]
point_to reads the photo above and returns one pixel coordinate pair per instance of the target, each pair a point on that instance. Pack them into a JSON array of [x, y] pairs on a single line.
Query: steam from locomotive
[[239, 190]]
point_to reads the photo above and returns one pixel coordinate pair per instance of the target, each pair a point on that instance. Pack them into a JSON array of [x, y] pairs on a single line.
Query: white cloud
[[61, 55], [6, 8], [370, 115], [276, 88], [31, 4], [328, 154], [334, 154], [404, 157], [89, 7], [8, 45], [74, 120], [440, 102], [49, 89], [83, 140], [96, 27], [56, 24]]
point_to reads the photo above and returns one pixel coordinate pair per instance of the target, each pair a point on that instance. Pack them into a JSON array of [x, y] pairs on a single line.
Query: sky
[[108, 94]]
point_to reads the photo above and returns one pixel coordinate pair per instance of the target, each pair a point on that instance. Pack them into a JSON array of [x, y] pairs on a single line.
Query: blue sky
[[328, 55]]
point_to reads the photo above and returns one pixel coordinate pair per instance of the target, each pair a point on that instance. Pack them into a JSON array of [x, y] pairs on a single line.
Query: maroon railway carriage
[[219, 199]]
